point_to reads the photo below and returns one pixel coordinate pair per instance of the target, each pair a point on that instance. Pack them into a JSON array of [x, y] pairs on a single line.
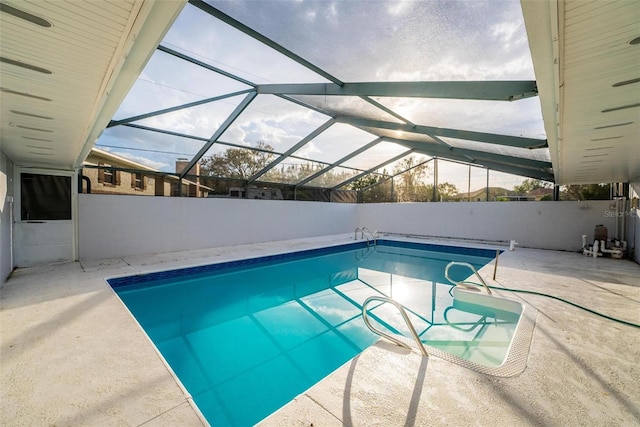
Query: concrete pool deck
[[71, 354]]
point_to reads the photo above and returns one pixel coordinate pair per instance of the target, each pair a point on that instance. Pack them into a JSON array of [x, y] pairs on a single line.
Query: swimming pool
[[246, 337]]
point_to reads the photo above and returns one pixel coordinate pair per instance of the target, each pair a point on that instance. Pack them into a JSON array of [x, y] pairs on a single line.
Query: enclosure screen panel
[[45, 197]]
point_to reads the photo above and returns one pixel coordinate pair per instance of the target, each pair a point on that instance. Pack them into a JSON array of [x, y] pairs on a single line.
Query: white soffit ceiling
[[63, 65], [586, 56]]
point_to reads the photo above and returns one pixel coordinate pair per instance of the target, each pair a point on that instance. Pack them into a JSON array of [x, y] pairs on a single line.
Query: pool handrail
[[482, 321], [374, 235], [369, 251], [464, 283], [391, 338]]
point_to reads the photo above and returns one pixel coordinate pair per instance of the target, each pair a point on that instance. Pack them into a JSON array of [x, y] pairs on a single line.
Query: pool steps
[[468, 286]]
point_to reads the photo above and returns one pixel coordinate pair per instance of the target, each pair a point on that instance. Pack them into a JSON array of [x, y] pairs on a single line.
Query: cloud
[[201, 121], [274, 121], [143, 160], [398, 8], [309, 151], [507, 33], [159, 150]]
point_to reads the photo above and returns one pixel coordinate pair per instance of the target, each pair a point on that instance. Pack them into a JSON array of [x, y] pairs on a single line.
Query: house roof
[[116, 160]]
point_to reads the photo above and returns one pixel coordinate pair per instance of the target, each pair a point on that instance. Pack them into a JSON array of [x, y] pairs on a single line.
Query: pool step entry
[[374, 235], [412, 329], [464, 284]]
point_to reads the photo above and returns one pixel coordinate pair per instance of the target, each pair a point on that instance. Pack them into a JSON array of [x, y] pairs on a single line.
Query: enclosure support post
[[487, 184]]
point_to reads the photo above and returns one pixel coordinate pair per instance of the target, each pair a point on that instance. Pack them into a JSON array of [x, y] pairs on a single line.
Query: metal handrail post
[[391, 338], [374, 235], [463, 283]]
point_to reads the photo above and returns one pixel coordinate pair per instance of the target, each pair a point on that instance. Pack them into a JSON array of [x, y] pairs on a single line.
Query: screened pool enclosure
[[348, 101]]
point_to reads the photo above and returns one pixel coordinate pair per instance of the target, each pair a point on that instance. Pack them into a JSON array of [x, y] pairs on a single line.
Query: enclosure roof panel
[[319, 85]]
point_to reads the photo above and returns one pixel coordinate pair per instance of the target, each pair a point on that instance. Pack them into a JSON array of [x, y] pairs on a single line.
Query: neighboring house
[[118, 175], [254, 192], [191, 188], [480, 195], [541, 193], [109, 180], [502, 194]]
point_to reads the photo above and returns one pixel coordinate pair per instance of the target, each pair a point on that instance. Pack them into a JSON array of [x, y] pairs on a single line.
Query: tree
[[292, 172], [331, 178], [364, 182], [373, 187], [381, 193], [530, 184], [237, 163], [412, 187], [586, 192], [447, 191]]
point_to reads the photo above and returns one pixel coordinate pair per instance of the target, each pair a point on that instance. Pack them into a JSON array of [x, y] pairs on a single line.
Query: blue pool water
[[246, 337]]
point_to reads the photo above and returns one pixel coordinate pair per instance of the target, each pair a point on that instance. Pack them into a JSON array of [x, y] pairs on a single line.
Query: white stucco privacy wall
[[543, 225], [634, 221], [113, 226], [6, 217], [635, 233]]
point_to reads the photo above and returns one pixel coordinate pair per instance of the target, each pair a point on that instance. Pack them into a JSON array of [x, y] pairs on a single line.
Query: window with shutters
[[138, 181], [107, 175]]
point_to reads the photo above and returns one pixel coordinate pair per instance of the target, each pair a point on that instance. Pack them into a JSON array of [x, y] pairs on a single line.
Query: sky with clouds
[[353, 41], [397, 40]]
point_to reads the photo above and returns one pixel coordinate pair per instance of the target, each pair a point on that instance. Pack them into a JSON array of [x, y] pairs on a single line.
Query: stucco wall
[[543, 225], [634, 222], [6, 195], [114, 226], [634, 228]]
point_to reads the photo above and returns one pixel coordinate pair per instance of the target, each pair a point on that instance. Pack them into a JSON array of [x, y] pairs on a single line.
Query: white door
[[44, 215]]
